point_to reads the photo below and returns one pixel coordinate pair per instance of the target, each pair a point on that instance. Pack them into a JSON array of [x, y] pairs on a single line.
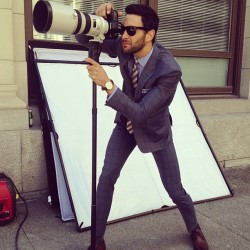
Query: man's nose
[[125, 34]]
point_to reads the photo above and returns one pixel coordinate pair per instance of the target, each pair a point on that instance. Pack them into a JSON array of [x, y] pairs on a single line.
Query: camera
[[52, 17]]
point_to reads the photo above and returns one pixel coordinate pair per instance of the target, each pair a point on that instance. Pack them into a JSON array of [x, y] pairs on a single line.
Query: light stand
[[94, 53]]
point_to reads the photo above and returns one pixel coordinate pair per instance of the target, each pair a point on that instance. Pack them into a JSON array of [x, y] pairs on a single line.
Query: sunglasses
[[131, 30]]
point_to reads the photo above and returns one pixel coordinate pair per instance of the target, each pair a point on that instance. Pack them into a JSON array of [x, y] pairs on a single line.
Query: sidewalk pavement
[[225, 223]]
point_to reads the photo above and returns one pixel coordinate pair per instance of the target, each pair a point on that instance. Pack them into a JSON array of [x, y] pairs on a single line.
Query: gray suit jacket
[[148, 105]]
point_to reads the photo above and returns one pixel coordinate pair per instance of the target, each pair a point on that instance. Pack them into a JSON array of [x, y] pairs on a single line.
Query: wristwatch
[[108, 85]]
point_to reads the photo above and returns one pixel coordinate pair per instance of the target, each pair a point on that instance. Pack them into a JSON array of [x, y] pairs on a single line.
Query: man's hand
[[105, 9], [96, 72]]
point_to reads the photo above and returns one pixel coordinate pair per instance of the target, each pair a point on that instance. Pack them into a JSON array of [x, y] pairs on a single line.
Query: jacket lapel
[[127, 86], [146, 73]]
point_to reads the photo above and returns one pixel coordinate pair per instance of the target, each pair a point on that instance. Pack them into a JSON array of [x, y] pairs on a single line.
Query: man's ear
[[150, 35]]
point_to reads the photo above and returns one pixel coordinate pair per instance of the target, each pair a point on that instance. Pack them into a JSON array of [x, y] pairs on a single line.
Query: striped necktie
[[135, 76]]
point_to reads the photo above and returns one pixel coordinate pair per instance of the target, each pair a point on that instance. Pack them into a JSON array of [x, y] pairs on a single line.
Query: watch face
[[109, 85]]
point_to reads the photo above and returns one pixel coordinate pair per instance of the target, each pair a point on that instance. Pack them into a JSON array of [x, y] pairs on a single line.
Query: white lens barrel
[[52, 17], [64, 19], [55, 18], [98, 25]]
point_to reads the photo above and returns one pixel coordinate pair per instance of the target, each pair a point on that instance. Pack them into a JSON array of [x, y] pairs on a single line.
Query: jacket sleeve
[[152, 104]]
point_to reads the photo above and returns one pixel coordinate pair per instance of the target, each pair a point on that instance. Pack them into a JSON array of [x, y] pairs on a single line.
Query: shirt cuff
[[112, 94]]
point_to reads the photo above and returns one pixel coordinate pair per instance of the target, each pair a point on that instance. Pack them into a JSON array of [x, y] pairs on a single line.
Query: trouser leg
[[168, 166], [120, 145]]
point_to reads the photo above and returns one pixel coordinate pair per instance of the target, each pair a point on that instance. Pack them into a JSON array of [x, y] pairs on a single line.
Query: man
[[150, 75]]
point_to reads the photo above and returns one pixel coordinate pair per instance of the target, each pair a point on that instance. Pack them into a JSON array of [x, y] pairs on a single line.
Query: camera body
[[52, 17]]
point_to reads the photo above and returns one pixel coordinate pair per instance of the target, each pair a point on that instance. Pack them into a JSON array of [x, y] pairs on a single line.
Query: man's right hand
[[105, 9]]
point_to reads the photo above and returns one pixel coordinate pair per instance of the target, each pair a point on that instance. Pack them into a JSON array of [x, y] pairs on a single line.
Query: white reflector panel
[[68, 90]]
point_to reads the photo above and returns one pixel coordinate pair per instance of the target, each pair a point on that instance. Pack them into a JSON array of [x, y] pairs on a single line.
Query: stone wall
[[226, 121], [245, 73], [21, 148]]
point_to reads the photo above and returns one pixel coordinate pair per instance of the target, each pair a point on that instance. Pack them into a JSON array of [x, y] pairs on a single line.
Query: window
[[203, 34], [195, 24]]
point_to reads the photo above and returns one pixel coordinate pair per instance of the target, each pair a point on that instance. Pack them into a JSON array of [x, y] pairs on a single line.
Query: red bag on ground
[[7, 200]]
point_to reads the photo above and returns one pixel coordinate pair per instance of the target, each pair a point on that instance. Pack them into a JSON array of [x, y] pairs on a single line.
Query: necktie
[[135, 75]]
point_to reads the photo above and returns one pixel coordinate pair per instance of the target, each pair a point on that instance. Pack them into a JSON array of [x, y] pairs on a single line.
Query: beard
[[135, 47]]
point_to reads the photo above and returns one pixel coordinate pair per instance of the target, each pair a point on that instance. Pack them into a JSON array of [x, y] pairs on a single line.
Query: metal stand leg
[[94, 53]]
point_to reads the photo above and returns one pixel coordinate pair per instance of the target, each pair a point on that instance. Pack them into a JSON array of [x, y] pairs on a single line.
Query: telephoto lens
[[52, 17]]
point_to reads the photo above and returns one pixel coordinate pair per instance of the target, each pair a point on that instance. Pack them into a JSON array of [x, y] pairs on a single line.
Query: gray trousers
[[120, 145]]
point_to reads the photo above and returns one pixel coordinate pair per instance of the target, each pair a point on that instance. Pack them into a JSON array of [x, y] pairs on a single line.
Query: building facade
[[220, 94]]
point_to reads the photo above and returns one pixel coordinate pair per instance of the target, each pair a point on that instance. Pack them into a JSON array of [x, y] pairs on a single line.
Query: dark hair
[[149, 19]]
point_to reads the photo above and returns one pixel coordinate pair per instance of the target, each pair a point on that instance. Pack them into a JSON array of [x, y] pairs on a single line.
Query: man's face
[[133, 44]]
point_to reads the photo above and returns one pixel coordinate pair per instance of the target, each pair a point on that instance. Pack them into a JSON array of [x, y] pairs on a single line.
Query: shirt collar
[[143, 61]]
